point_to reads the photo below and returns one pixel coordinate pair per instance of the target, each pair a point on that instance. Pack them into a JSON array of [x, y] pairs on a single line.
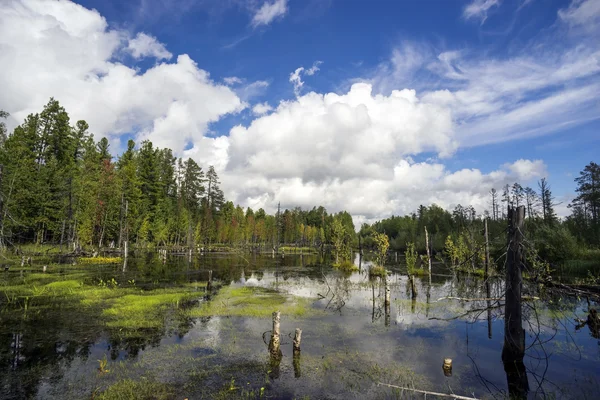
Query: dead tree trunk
[[1, 212], [487, 250], [514, 335], [428, 252], [387, 304], [274, 346]]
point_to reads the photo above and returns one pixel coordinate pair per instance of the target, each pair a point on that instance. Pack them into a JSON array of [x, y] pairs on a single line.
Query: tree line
[[59, 186], [458, 234]]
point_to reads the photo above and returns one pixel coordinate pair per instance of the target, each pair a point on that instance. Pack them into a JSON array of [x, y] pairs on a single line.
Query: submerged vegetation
[[143, 389], [252, 302]]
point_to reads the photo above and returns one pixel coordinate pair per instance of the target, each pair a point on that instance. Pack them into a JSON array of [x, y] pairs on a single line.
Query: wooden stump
[[447, 366], [297, 340], [274, 344]]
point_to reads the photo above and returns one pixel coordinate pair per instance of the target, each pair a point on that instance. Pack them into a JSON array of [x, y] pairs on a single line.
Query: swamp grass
[[346, 266], [377, 270], [252, 302], [142, 389], [100, 260]]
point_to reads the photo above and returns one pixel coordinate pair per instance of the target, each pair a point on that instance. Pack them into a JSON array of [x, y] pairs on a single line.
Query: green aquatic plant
[[144, 309], [100, 260], [102, 363], [142, 389], [251, 302]]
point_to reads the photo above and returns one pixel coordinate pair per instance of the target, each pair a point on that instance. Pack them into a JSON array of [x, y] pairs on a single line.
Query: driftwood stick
[[425, 392], [484, 298]]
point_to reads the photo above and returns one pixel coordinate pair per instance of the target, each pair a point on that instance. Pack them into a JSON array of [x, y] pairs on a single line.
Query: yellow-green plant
[[383, 244], [102, 363], [411, 258]]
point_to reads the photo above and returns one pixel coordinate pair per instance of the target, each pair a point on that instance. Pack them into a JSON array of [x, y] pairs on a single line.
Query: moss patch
[[251, 302], [144, 310], [100, 260]]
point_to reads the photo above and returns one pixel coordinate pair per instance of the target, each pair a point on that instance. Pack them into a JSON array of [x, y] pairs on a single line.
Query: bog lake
[[154, 330]]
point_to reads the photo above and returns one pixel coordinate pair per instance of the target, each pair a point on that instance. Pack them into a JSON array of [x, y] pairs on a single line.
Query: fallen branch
[[454, 396], [526, 298]]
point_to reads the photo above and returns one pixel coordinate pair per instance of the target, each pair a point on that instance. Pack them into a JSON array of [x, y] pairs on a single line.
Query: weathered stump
[[297, 340], [275, 343], [447, 367]]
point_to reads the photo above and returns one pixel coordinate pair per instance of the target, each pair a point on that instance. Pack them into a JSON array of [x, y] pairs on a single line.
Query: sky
[[373, 107]]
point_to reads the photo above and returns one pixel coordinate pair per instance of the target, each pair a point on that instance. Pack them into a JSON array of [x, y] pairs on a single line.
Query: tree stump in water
[[274, 344], [297, 340], [447, 366]]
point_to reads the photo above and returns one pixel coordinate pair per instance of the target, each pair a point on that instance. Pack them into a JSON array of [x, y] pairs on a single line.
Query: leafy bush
[[555, 243]]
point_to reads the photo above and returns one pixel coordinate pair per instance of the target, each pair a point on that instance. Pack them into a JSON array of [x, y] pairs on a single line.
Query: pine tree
[[547, 201]]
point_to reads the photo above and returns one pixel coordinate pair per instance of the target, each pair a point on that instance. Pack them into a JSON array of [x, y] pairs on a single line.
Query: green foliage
[[377, 270], [382, 245], [411, 258], [555, 243], [60, 186]]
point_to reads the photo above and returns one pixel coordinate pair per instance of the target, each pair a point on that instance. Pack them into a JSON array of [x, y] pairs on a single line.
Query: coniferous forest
[[60, 186]]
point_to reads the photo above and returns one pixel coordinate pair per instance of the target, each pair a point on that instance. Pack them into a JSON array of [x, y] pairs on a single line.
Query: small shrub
[[346, 266], [377, 270]]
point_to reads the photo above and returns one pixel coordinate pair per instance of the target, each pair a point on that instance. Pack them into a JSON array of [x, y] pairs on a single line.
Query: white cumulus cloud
[[261, 108], [68, 52], [144, 45]]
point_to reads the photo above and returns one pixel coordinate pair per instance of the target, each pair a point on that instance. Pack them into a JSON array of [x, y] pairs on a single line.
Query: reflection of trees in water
[[42, 344], [338, 292]]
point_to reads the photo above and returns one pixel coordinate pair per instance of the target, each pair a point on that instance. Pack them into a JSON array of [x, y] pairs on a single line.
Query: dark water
[[350, 345]]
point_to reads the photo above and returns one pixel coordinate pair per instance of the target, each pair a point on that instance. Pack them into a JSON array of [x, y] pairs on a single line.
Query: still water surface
[[349, 343]]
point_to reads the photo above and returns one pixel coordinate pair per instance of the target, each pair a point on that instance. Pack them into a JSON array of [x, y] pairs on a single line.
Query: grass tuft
[[143, 389]]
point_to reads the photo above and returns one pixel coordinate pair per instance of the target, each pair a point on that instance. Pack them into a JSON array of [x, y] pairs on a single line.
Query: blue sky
[[370, 106]]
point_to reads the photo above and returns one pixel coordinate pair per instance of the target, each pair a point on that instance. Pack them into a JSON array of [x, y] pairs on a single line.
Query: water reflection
[[44, 354]]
